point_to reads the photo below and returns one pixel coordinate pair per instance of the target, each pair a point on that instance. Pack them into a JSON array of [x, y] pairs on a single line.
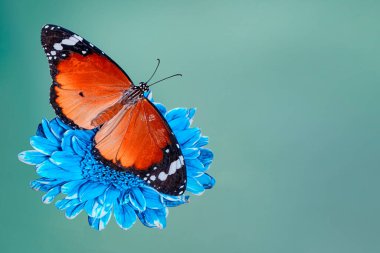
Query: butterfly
[[90, 91]]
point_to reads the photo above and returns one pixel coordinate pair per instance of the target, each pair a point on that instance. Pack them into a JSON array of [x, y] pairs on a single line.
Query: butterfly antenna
[[158, 64], [164, 79]]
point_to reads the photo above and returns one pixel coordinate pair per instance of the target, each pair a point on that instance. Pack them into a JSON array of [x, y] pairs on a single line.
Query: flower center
[[94, 170]]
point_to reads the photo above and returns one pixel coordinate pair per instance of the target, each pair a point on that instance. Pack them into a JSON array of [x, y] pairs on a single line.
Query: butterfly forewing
[[85, 80]]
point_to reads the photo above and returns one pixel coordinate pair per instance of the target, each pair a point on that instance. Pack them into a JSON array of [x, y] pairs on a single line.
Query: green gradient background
[[288, 92]]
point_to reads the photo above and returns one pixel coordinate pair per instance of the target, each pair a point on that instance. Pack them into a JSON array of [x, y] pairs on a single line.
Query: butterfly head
[[143, 87]]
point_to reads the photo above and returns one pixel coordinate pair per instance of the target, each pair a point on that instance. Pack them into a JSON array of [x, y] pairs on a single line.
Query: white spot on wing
[[174, 166], [69, 42], [151, 117], [58, 46], [162, 176], [78, 37]]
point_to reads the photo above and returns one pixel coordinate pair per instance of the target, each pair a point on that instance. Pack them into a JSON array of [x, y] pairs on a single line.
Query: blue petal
[[161, 108], [51, 194], [196, 164], [57, 129], [66, 203], [179, 124], [191, 153], [154, 218], [103, 204], [206, 181], [83, 135], [124, 199], [99, 224], [73, 211], [194, 186], [47, 169], [79, 146], [137, 199], [49, 181], [89, 207], [40, 131], [43, 145], [193, 172], [40, 187], [125, 216], [109, 196], [149, 95], [32, 157], [66, 161], [71, 189], [176, 113], [50, 170], [153, 198], [171, 202], [91, 190], [191, 113], [188, 137], [203, 141], [44, 184], [97, 210], [206, 156], [48, 133], [63, 125]]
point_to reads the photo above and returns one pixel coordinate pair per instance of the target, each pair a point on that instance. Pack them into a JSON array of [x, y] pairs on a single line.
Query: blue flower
[[63, 159]]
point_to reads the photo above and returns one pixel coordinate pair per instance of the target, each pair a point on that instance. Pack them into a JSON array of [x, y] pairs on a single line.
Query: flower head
[[64, 160]]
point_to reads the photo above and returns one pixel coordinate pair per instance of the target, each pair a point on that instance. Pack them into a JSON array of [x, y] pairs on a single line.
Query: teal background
[[288, 92]]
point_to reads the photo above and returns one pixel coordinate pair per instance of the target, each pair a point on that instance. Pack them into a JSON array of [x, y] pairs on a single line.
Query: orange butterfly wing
[[138, 139], [85, 81]]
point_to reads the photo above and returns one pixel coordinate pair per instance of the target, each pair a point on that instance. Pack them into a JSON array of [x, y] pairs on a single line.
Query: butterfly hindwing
[[85, 80], [146, 147]]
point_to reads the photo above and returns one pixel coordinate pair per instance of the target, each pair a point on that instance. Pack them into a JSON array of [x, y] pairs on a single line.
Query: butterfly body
[[91, 91], [128, 99]]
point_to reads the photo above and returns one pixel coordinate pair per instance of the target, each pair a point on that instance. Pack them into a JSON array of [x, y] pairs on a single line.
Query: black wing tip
[[48, 27]]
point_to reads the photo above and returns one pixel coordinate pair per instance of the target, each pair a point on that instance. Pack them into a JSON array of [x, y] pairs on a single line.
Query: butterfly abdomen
[[107, 114]]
